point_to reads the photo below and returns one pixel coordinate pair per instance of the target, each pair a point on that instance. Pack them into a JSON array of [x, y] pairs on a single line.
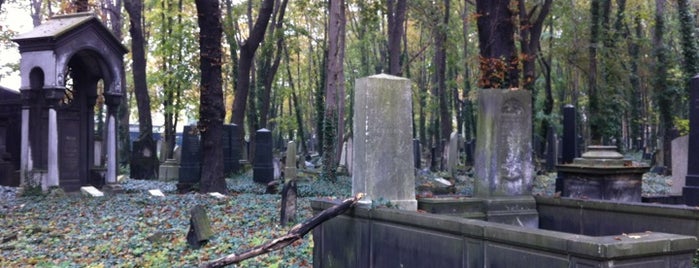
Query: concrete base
[[169, 170], [517, 210]]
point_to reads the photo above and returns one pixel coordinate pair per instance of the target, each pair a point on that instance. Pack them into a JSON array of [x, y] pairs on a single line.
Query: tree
[[211, 110], [663, 96], [690, 51], [149, 169], [396, 18], [498, 58], [247, 55], [270, 60], [333, 119]]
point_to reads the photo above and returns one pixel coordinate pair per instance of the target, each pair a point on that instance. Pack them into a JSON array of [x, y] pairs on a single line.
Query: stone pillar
[[452, 153], [503, 167], [383, 148], [263, 168], [111, 144], [25, 161], [53, 95], [691, 188]]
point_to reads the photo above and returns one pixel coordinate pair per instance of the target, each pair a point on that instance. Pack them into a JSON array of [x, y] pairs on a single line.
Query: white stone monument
[[382, 150]]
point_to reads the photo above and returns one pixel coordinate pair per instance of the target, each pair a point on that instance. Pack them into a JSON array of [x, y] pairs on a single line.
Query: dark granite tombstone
[[141, 161], [190, 164], [263, 168], [231, 152], [691, 188], [416, 153], [551, 152], [569, 144]]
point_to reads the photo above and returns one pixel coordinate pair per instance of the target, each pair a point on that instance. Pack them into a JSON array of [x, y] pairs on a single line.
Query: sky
[[15, 17]]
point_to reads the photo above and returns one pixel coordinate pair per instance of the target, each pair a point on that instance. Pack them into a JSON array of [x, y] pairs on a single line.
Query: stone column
[[112, 102], [263, 168], [691, 188], [383, 161], [53, 96], [25, 161]]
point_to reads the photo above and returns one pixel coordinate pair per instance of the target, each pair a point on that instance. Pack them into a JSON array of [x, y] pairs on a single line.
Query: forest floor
[[135, 229]]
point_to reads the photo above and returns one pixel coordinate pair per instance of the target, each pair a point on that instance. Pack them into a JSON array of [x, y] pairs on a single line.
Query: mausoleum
[[70, 66]]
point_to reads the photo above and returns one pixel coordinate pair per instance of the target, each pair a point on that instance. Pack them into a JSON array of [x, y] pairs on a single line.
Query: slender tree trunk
[[150, 168], [335, 90], [272, 66], [635, 81], [297, 105], [396, 17], [664, 98], [595, 135], [211, 110], [445, 120], [469, 125]]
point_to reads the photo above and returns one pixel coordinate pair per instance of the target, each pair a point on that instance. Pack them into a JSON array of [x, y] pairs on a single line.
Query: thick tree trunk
[[211, 110], [334, 115], [445, 120], [663, 95], [498, 58], [135, 8], [396, 17]]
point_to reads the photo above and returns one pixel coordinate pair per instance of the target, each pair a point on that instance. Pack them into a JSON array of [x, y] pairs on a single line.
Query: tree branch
[[296, 233]]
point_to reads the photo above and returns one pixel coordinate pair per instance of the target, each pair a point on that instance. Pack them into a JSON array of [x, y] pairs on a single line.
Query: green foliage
[[682, 126]]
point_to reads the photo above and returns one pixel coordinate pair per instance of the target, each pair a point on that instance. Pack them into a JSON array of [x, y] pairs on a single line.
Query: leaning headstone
[[679, 163], [263, 168], [503, 167], [691, 188], [452, 153], [288, 207], [190, 165], [290, 165], [383, 150], [91, 191], [570, 138], [199, 228]]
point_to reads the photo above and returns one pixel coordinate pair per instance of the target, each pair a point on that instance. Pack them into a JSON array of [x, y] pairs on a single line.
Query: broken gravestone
[[199, 228], [289, 192]]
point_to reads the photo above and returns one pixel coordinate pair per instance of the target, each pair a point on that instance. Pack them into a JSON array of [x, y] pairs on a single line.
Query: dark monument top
[[691, 189], [51, 45]]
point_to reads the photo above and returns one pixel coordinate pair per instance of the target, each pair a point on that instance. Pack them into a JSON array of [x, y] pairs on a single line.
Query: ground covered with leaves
[[135, 229]]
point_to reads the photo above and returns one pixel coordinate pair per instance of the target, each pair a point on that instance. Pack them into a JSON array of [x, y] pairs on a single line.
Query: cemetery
[[380, 168]]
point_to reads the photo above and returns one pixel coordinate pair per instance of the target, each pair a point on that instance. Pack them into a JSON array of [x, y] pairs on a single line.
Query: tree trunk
[[271, 66], [498, 58], [211, 110], [297, 106], [333, 123], [690, 51], [396, 17], [150, 168], [663, 94], [247, 54], [440, 76]]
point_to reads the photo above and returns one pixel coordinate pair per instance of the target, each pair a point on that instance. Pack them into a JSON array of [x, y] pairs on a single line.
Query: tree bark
[[333, 123], [396, 17], [663, 95], [498, 58], [135, 9], [272, 65], [211, 110]]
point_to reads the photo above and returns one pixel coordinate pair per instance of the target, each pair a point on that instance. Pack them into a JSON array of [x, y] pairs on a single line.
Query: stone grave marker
[[570, 139], [551, 151], [679, 163], [383, 151], [503, 166], [691, 188], [199, 228], [452, 153], [290, 164], [231, 151], [263, 168], [156, 192], [169, 170], [289, 191], [91, 191], [190, 165]]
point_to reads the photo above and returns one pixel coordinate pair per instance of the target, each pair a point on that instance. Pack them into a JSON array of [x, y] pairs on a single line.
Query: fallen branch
[[296, 233]]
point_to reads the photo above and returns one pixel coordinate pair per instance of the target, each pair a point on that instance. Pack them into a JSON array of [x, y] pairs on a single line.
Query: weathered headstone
[[190, 164], [263, 168], [199, 228], [416, 153], [288, 207], [452, 153], [570, 138], [290, 164], [383, 150], [503, 167], [679, 163], [169, 170], [91, 191], [691, 188]]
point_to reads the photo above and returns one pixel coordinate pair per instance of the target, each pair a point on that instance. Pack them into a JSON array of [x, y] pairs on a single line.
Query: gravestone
[[469, 148], [349, 156], [199, 228], [169, 170], [551, 151], [263, 168], [383, 151], [416, 153], [142, 158], [231, 152], [570, 139], [290, 164], [503, 168], [190, 164], [452, 153], [289, 191], [691, 188], [679, 163]]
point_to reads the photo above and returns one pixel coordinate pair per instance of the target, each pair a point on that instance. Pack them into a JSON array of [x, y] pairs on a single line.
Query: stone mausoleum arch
[[71, 67]]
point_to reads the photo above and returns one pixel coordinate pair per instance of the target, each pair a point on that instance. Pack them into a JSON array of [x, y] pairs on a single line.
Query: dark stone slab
[[199, 228], [569, 144], [231, 150], [416, 153], [551, 151], [263, 167], [691, 189], [190, 164]]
